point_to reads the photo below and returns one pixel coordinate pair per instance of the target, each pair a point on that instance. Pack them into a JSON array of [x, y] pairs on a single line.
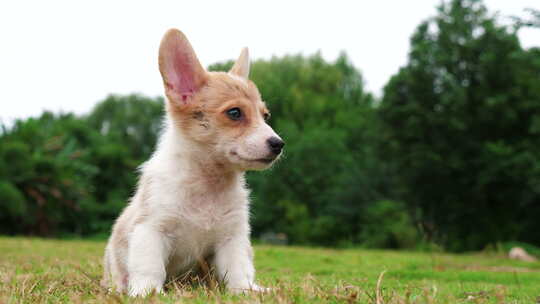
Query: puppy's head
[[221, 112]]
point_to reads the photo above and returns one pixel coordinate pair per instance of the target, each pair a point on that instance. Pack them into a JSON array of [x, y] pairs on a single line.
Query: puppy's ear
[[182, 72], [241, 66]]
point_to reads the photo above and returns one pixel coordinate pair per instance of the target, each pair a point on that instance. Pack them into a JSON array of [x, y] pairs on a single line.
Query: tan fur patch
[[208, 106]]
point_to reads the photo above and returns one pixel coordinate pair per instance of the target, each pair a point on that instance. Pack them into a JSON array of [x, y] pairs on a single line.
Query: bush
[[387, 224]]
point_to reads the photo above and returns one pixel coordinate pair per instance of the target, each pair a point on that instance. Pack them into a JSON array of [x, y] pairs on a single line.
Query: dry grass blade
[[206, 274], [95, 282], [379, 298]]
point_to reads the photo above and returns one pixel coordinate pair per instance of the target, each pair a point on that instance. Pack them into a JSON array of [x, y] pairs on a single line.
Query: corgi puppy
[[191, 202]]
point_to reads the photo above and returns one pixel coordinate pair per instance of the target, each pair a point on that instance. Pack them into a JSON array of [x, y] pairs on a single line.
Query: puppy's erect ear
[[182, 72], [241, 66]]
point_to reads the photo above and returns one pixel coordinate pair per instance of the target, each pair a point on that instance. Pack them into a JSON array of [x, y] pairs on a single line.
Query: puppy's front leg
[[234, 265], [148, 252]]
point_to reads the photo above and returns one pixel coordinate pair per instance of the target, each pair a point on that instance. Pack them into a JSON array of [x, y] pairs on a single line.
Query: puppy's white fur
[[191, 203]]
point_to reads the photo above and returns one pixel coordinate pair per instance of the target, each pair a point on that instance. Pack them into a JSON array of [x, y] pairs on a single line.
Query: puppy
[[191, 201]]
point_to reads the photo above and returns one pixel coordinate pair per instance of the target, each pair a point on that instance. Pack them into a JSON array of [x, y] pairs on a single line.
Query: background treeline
[[449, 154]]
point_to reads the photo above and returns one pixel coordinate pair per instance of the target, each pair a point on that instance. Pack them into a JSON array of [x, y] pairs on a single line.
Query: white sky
[[67, 55]]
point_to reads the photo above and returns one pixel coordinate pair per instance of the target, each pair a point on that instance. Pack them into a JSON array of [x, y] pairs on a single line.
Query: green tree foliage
[[44, 173], [461, 124], [329, 172], [128, 127], [61, 174]]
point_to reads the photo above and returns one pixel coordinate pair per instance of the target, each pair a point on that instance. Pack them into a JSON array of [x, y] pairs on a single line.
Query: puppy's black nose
[[275, 144]]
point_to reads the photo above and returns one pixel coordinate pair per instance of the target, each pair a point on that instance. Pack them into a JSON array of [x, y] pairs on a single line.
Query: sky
[[68, 55]]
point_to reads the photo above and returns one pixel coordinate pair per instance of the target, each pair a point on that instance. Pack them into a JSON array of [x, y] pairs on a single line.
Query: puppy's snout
[[275, 144]]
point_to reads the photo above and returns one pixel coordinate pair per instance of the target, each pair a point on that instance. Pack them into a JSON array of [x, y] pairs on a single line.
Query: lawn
[[36, 271]]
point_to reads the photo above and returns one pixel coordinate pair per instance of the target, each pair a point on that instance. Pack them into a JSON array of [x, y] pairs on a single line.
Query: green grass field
[[37, 271]]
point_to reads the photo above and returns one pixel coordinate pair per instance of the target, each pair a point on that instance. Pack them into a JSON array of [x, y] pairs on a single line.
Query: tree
[[62, 174], [461, 122], [44, 173], [128, 128]]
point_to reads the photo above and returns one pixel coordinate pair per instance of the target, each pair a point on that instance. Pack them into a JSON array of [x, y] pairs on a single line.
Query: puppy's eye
[[234, 113], [266, 116]]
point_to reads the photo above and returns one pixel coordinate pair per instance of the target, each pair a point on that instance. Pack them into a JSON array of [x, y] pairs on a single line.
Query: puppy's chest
[[209, 215], [205, 221]]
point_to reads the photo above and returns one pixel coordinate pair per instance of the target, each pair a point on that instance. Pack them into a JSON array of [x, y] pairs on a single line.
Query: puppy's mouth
[[264, 160]]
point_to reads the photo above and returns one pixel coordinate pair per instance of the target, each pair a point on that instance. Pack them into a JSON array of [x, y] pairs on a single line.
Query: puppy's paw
[[143, 287]]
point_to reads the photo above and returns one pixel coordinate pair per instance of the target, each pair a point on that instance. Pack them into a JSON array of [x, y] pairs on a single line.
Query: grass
[[39, 271]]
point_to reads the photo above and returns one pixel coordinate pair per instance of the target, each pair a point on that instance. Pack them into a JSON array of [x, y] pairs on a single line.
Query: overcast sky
[[67, 55]]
